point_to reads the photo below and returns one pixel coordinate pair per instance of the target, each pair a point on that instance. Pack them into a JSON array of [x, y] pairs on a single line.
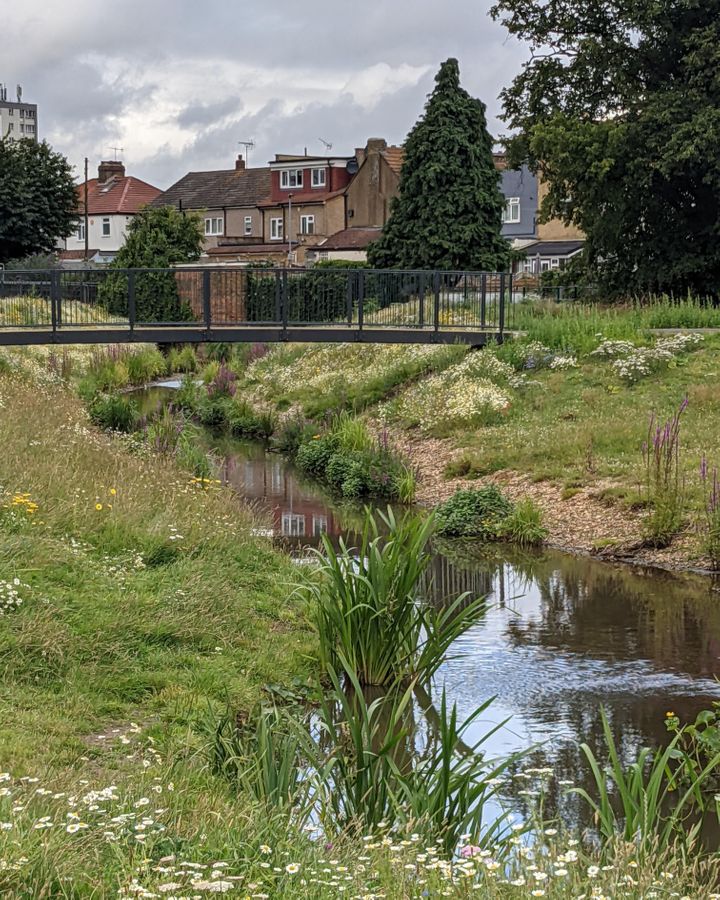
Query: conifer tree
[[449, 209]]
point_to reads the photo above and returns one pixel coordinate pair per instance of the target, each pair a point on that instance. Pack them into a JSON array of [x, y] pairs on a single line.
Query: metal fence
[[217, 297]]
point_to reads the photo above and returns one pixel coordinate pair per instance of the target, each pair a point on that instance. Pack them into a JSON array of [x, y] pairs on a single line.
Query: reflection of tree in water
[[608, 612]]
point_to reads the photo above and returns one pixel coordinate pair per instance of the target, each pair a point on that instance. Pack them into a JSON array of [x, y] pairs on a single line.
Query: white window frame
[[80, 234], [319, 525], [528, 266], [292, 525], [248, 225], [318, 178], [554, 263], [214, 226], [276, 229], [512, 212], [106, 223], [307, 224], [291, 178], [544, 265]]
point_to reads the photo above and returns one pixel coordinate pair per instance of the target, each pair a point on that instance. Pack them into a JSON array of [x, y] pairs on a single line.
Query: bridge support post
[[131, 302], [207, 309], [501, 307], [361, 299], [421, 301], [284, 304], [54, 302], [436, 299]]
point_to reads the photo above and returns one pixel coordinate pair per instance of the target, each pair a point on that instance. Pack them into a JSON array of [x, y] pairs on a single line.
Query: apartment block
[[17, 119]]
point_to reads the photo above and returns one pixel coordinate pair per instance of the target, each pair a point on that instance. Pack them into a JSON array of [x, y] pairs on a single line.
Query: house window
[[528, 266], [544, 265], [248, 224], [554, 263], [293, 525], [214, 225], [307, 224], [81, 231], [106, 227], [511, 214], [320, 525], [319, 177], [11, 126], [291, 178], [276, 229]]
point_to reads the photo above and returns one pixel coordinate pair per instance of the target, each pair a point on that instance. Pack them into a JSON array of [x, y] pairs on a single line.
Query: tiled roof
[[351, 239], [230, 249], [394, 157], [304, 198], [116, 196], [213, 190], [553, 248]]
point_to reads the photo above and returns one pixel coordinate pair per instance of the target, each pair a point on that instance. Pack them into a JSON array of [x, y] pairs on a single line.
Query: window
[[30, 113], [291, 178], [554, 263], [293, 525], [318, 178], [307, 224], [544, 265], [11, 112], [528, 266], [276, 229], [248, 224], [214, 225], [81, 231], [106, 227], [320, 525], [276, 478], [511, 214], [11, 126]]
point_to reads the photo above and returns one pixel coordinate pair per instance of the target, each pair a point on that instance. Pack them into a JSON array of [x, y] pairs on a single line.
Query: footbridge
[[196, 304]]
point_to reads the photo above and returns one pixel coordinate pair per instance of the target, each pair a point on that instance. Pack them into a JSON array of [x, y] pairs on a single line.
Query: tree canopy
[[448, 214], [38, 203], [156, 238], [618, 109]]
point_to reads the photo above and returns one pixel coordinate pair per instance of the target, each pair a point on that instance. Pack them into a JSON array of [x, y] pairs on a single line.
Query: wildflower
[[113, 492], [593, 872], [265, 849], [292, 868], [98, 506]]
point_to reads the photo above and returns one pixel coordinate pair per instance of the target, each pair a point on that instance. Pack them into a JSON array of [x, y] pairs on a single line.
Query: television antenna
[[328, 146], [248, 145], [117, 150]]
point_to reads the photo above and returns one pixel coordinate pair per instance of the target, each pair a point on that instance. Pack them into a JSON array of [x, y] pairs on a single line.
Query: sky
[[178, 84]]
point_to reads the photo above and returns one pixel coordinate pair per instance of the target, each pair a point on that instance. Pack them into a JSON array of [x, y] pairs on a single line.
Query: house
[[113, 198], [18, 119], [350, 244], [229, 200], [369, 195]]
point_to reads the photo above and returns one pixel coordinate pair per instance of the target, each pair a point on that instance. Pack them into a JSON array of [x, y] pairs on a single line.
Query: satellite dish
[[352, 166]]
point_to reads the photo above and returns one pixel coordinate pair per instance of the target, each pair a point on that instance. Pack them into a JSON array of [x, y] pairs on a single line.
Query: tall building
[[17, 119]]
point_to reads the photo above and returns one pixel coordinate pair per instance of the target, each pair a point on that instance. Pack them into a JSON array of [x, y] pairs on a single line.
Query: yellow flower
[[98, 506], [112, 492], [669, 715]]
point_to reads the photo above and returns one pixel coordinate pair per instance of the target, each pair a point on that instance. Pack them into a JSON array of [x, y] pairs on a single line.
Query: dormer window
[[319, 178], [291, 178]]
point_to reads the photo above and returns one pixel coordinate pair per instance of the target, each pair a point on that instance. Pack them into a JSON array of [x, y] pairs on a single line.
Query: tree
[[157, 238], [449, 209], [38, 203], [618, 109]]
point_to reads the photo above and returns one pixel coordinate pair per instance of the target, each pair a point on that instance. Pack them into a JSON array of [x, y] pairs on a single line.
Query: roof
[[213, 190], [234, 249], [76, 254], [351, 239], [394, 157], [302, 199], [121, 196], [553, 248]]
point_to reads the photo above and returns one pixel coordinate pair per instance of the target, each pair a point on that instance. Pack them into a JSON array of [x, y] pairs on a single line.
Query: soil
[[582, 523]]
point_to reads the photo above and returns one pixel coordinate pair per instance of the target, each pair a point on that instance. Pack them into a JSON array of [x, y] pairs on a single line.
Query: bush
[[182, 360], [524, 524], [469, 513], [314, 455], [189, 395], [245, 422], [213, 412], [144, 366], [292, 433], [113, 412]]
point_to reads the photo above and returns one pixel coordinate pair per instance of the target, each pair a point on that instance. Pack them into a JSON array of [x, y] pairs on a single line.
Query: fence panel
[[25, 299]]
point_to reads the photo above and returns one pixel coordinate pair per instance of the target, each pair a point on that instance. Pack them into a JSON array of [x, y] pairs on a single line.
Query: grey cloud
[[208, 113]]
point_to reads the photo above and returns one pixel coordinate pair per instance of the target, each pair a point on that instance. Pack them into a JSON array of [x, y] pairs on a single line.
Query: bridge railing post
[[284, 303], [501, 306], [207, 308], [55, 298], [483, 299], [349, 296], [421, 301], [436, 300], [131, 300], [361, 298]]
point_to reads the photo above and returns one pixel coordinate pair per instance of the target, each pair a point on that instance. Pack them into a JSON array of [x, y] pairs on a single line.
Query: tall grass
[[663, 481], [653, 804], [366, 605]]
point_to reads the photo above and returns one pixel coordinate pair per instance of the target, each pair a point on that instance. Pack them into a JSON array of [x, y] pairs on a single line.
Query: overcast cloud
[[177, 84]]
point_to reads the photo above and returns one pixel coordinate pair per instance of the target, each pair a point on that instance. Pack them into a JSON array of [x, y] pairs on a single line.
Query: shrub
[[189, 395], [213, 412], [145, 365], [293, 432], [182, 360], [313, 456], [113, 412], [524, 524], [478, 513], [245, 422]]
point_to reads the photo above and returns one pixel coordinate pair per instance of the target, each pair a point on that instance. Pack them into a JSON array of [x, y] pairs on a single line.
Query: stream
[[562, 636]]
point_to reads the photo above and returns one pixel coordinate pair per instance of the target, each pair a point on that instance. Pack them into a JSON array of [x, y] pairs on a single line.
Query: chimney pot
[[110, 168]]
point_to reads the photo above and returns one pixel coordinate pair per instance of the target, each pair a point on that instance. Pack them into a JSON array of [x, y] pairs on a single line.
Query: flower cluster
[[632, 363], [451, 399], [10, 598], [561, 363]]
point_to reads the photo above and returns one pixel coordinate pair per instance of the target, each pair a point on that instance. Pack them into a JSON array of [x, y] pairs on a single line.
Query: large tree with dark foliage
[[618, 108], [38, 203], [157, 238], [449, 209]]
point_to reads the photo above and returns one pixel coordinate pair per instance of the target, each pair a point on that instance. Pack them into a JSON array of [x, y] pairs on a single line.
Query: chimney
[[375, 145], [111, 168], [239, 163]]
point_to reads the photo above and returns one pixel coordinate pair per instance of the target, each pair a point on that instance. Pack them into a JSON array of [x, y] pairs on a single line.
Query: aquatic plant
[[663, 481], [365, 604], [479, 513], [524, 525], [710, 527], [114, 412]]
